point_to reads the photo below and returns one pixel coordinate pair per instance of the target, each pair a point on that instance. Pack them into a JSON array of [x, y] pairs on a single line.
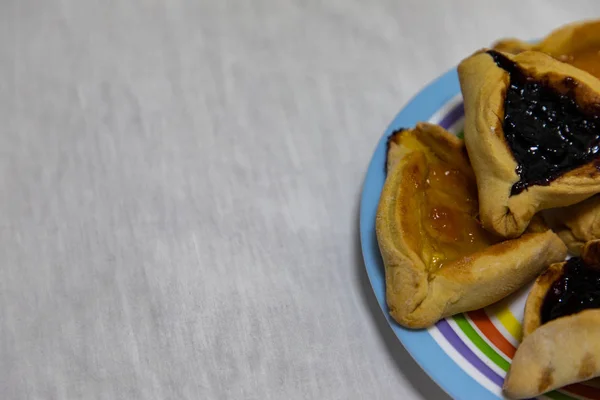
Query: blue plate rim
[[419, 343]]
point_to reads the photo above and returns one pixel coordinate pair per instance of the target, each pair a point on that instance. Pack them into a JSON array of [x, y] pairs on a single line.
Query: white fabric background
[[180, 183]]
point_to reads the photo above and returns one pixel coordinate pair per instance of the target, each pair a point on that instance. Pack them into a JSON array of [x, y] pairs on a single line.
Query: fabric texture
[[180, 185]]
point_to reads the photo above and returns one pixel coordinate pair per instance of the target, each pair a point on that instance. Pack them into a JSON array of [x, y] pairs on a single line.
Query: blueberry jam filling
[[548, 133], [576, 290]]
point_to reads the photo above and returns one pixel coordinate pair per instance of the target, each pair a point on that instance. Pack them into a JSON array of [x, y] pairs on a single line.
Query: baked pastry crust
[[484, 86], [576, 224], [433, 269], [590, 253], [577, 44], [560, 352]]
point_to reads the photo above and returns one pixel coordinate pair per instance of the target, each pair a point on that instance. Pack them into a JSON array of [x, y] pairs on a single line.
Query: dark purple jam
[[576, 290], [548, 133]]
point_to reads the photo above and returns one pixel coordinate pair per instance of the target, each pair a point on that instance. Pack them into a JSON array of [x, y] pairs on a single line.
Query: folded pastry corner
[[559, 353], [576, 43], [576, 224], [438, 259], [532, 130], [561, 323]]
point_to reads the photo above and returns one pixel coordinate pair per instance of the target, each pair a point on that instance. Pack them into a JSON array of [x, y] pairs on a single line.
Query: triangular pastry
[[560, 328], [438, 259], [532, 130]]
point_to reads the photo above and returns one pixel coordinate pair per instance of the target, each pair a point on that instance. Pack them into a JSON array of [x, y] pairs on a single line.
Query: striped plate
[[467, 355]]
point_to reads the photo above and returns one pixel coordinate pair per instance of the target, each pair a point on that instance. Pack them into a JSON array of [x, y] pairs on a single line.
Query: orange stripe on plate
[[483, 323]]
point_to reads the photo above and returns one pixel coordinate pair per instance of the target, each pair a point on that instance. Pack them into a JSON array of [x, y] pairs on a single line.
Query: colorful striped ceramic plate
[[467, 355]]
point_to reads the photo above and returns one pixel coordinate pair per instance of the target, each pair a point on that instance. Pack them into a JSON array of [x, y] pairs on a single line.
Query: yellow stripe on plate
[[508, 321]]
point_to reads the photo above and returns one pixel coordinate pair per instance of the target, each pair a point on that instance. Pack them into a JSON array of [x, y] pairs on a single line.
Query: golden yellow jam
[[444, 206]]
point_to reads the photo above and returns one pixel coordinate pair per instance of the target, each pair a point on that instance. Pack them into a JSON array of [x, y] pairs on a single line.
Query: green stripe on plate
[[461, 134], [480, 343], [490, 353]]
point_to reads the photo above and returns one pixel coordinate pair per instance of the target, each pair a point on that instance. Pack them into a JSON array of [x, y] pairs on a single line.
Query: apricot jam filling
[[443, 201]]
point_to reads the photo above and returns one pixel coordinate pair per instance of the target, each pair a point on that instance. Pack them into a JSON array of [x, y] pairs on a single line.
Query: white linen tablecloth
[[180, 185]]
